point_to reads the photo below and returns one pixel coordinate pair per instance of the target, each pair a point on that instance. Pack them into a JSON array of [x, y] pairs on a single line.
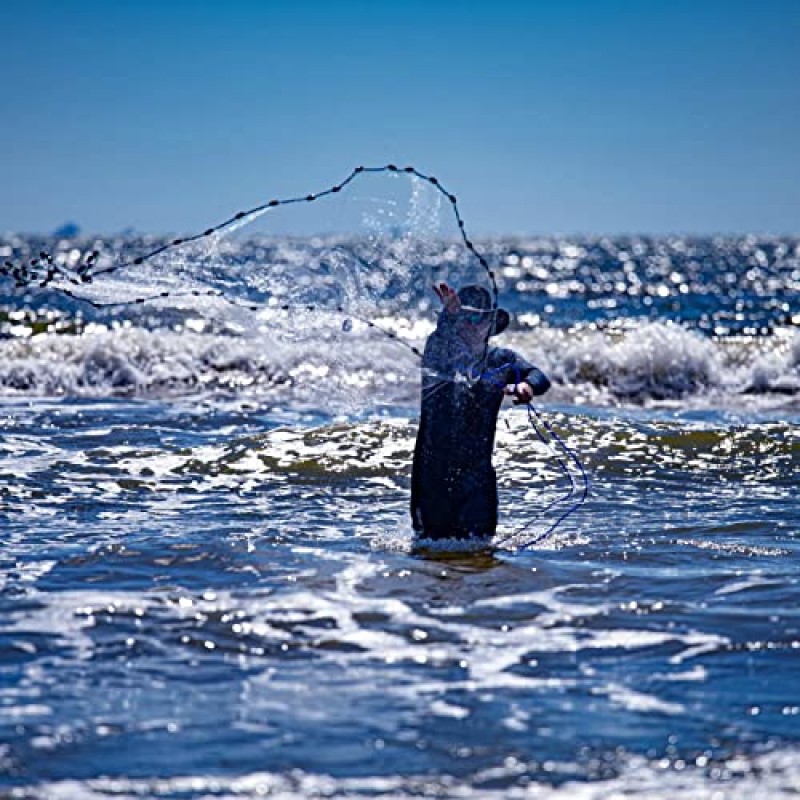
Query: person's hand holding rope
[[521, 392]]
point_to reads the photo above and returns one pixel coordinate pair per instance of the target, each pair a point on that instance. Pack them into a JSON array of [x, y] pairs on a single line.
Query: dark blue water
[[209, 586]]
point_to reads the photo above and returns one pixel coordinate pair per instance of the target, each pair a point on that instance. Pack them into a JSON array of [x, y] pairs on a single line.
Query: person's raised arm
[[440, 347]]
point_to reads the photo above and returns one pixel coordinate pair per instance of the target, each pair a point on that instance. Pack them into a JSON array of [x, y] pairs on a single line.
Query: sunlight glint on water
[[209, 586]]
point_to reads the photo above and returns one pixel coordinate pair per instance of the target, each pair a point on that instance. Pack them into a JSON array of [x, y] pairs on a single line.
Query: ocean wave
[[627, 363], [774, 774], [130, 361], [663, 361]]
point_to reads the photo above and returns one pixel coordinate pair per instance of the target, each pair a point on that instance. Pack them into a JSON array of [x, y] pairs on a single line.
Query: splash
[[383, 252]]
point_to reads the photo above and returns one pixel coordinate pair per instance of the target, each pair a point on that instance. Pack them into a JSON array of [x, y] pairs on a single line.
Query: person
[[453, 483]]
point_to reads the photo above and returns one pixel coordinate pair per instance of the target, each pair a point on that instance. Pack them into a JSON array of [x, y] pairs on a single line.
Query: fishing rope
[[533, 413], [534, 416], [561, 499], [41, 272], [568, 451]]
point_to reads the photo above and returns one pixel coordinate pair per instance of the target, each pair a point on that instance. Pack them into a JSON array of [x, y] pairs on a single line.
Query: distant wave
[[664, 361]]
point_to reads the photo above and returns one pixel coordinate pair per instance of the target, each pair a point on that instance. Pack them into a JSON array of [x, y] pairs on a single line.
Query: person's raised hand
[[449, 298]]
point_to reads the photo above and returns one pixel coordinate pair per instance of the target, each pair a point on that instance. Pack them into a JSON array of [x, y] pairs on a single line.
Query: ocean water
[[209, 586]]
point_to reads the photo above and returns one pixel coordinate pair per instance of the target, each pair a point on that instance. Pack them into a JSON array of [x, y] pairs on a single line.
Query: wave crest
[[640, 363], [657, 360]]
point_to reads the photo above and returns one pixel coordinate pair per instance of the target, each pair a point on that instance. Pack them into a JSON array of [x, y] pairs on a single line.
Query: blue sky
[[586, 116]]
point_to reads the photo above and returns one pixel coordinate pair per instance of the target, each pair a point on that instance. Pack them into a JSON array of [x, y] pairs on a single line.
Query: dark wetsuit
[[453, 484]]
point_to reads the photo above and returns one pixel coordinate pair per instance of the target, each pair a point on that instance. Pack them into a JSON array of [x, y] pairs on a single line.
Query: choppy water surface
[[209, 588]]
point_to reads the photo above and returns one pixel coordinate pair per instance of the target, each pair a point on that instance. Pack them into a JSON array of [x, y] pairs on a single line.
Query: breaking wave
[[643, 362]]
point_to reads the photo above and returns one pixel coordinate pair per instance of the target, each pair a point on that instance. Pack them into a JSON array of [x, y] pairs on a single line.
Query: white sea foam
[[661, 361], [632, 700], [658, 360], [768, 777], [645, 362], [132, 361]]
